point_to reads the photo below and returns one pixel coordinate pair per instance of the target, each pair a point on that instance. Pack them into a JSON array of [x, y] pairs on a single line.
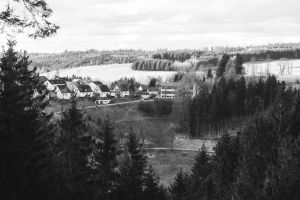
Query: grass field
[[167, 163], [287, 70], [110, 73], [156, 132]]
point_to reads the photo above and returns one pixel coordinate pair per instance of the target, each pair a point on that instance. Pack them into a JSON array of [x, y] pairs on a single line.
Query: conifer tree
[[26, 158], [179, 188], [238, 64], [132, 171], [209, 73], [201, 184], [152, 188], [76, 147], [105, 156], [222, 65]]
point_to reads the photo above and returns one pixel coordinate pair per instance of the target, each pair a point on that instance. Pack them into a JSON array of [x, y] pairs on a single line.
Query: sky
[[171, 24]]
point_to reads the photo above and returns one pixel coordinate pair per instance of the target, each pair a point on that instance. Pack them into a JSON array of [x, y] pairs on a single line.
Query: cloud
[[113, 24]]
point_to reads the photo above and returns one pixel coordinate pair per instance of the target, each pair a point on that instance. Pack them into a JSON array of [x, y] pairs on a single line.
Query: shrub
[[158, 107]]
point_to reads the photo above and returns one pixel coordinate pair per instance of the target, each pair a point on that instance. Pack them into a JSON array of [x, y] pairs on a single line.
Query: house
[[84, 91], [168, 90], [153, 91], [115, 91], [145, 96], [63, 92], [99, 88], [51, 84], [72, 86], [124, 91]]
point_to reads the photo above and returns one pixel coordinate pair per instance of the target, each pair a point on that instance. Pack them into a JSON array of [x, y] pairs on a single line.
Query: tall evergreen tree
[[201, 179], [105, 156], [75, 147], [179, 188], [132, 171], [152, 188], [209, 73], [26, 156], [238, 64], [222, 65]]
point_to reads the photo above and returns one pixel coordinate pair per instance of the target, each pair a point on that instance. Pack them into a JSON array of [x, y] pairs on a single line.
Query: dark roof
[[63, 89], [153, 89], [104, 88], [42, 79], [84, 88], [57, 82]]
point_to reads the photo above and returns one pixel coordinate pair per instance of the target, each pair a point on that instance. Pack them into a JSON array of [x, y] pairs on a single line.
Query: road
[[107, 105], [177, 149]]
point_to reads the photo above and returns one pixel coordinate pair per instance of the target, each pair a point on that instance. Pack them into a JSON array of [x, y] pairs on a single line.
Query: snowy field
[[110, 73], [288, 70]]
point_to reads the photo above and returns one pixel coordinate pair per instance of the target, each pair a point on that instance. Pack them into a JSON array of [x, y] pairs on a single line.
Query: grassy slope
[[156, 132]]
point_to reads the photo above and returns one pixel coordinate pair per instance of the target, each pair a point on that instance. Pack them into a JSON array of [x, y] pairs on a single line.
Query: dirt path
[[105, 105]]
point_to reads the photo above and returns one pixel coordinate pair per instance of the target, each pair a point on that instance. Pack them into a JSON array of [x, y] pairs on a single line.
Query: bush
[[158, 107]]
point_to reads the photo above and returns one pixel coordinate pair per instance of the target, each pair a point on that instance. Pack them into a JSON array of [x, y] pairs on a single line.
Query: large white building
[[168, 90]]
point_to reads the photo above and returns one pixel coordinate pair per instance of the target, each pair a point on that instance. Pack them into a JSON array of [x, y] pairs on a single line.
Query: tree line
[[232, 96], [71, 59], [172, 56]]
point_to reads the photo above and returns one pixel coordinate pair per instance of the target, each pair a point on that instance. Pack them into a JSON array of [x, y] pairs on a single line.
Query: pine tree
[[238, 64], [209, 73], [26, 158], [201, 184], [222, 65], [226, 161], [132, 171], [76, 147], [105, 157], [152, 188], [179, 188]]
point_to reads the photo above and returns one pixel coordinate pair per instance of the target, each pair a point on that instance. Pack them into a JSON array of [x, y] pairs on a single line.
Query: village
[[100, 93]]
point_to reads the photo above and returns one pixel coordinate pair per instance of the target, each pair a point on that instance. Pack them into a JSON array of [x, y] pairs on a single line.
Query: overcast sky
[[172, 24]]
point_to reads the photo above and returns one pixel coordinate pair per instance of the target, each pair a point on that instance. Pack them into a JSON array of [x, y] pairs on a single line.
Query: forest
[[70, 59]]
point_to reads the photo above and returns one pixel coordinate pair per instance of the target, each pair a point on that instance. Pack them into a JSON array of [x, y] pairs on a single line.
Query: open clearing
[[110, 73], [113, 72], [287, 70]]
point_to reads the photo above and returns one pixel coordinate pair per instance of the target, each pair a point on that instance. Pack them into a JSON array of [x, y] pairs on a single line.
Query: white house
[[153, 91], [99, 88], [62, 92], [51, 84], [84, 91], [168, 90], [124, 93]]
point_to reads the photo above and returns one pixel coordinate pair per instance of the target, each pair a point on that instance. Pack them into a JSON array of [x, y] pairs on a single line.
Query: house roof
[[153, 89], [104, 88], [63, 89], [57, 82], [42, 79], [84, 88]]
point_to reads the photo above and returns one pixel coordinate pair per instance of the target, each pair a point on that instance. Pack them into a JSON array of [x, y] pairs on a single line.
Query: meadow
[[110, 73]]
